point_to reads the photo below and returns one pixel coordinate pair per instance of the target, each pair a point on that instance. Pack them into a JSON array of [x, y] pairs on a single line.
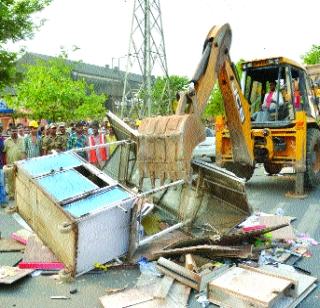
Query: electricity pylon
[[146, 53]]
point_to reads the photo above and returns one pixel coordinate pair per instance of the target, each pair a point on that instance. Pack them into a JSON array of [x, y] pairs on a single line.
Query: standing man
[[62, 137], [78, 140], [14, 149], [50, 142], [97, 157], [32, 143]]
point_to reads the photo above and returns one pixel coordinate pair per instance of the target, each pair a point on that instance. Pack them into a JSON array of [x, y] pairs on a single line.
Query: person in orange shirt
[[99, 156]]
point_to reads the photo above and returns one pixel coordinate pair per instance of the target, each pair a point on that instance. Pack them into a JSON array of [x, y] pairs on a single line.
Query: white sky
[[101, 29]]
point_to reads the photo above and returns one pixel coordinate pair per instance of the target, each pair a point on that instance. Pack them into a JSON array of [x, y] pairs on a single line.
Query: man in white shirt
[[269, 104], [270, 99]]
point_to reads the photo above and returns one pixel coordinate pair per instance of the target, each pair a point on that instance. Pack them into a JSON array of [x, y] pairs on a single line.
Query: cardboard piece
[[144, 297], [9, 274], [9, 244], [285, 233]]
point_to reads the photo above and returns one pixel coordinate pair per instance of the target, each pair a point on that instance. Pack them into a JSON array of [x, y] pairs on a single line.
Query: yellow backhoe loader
[[251, 131]]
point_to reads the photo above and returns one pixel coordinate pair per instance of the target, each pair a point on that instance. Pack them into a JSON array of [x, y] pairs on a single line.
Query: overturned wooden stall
[[79, 212]]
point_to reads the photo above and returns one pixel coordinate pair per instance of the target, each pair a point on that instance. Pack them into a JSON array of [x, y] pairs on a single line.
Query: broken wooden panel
[[248, 287], [80, 213], [9, 275]]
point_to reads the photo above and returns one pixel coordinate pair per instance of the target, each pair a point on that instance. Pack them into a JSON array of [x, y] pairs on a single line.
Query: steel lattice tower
[[146, 53]]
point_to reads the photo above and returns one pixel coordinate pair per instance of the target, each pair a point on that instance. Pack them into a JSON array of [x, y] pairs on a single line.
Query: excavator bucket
[[165, 144]]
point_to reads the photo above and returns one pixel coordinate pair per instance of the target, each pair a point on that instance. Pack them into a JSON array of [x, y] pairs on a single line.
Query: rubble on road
[[186, 238]]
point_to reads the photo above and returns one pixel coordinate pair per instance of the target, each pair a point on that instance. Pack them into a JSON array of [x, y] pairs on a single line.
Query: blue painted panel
[[94, 202], [45, 164], [66, 184]]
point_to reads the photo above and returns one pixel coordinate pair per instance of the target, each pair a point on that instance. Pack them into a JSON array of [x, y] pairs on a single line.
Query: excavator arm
[[165, 144], [238, 116]]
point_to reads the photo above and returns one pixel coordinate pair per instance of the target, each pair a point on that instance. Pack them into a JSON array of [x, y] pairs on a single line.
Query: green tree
[[15, 24], [49, 92], [163, 96], [312, 56]]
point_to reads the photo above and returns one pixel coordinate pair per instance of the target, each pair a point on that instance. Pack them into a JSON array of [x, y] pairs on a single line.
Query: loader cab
[[292, 93]]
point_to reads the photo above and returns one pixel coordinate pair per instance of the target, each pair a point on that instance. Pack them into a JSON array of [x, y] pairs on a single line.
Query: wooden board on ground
[[248, 287], [164, 287], [306, 284], [36, 251], [130, 297], [9, 244], [9, 275], [285, 233], [146, 294]]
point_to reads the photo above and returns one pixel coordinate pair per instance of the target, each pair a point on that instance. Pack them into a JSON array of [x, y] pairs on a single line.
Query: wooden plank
[[9, 244], [164, 287], [240, 287], [178, 295], [9, 275], [176, 268], [190, 264], [127, 298], [186, 281]]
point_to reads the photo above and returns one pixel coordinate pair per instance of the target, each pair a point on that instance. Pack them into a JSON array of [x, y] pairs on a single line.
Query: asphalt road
[[265, 193]]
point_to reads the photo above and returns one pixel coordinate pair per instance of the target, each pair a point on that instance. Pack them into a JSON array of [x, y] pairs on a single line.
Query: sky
[[101, 29]]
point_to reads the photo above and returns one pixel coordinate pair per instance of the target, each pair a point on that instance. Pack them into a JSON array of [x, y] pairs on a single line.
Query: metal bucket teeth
[[165, 146]]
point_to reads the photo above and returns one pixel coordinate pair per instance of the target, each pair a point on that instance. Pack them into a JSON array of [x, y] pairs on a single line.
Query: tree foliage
[[15, 24], [164, 91], [312, 56], [49, 92]]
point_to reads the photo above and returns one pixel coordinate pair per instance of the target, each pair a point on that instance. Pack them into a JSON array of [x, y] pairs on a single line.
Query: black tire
[[272, 168], [245, 172], [312, 174], [213, 159]]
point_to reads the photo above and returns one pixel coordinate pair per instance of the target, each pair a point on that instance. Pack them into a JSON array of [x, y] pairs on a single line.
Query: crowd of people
[[34, 140]]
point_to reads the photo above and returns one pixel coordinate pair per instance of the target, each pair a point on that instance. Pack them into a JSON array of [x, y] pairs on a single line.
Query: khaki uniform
[[49, 143], [61, 141], [14, 150]]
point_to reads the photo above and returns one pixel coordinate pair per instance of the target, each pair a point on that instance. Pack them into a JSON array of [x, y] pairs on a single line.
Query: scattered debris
[[193, 280], [60, 297], [22, 236], [9, 274]]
